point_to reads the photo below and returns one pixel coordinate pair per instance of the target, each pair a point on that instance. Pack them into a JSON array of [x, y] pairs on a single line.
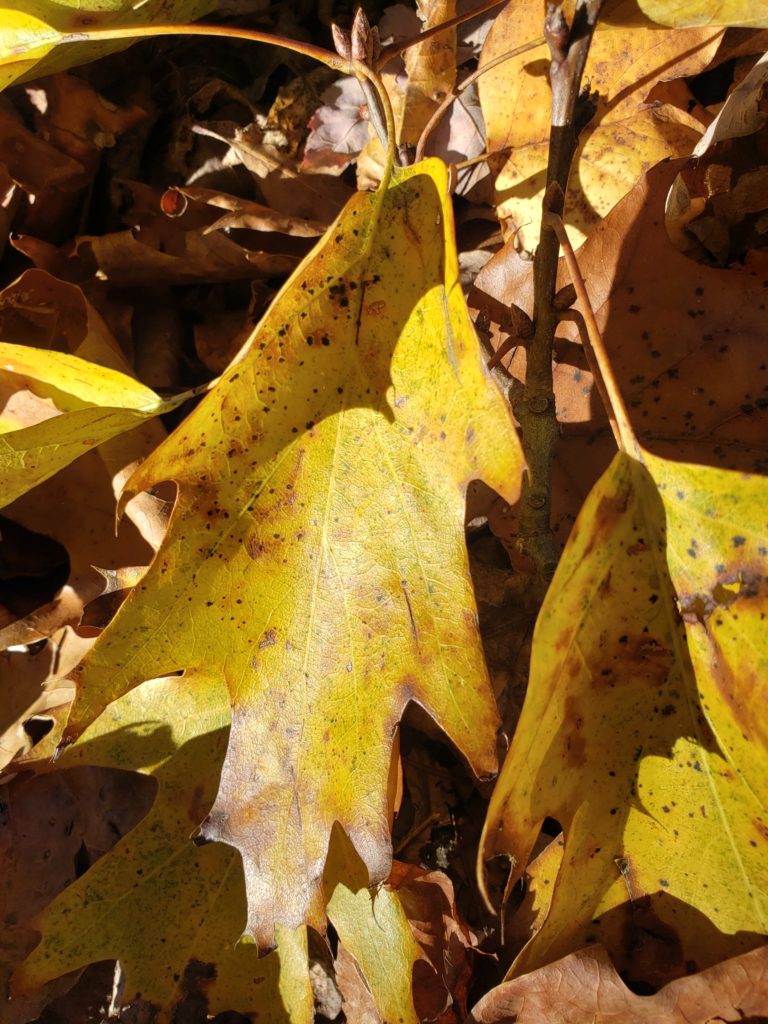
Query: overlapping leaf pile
[[291, 589]]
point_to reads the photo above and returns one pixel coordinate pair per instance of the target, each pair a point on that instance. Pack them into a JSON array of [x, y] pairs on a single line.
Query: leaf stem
[[592, 342], [327, 57], [384, 106], [535, 407], [388, 53], [451, 97]]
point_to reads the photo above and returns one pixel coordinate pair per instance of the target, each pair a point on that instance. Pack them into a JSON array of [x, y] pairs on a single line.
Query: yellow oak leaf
[[315, 558], [645, 736]]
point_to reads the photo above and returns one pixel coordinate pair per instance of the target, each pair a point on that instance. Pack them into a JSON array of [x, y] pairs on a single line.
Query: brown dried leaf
[[311, 196], [584, 988], [441, 982]]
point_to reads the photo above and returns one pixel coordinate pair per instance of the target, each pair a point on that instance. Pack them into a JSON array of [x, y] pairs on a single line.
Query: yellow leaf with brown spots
[[315, 559], [625, 138], [645, 736]]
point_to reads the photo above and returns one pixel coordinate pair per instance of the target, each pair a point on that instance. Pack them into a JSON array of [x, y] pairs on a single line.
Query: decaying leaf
[[584, 988], [315, 555], [625, 138], [647, 741]]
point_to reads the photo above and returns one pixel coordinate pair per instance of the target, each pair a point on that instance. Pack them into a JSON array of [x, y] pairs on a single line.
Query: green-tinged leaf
[[31, 31], [95, 404], [315, 558], [373, 927], [689, 13], [644, 739], [170, 911]]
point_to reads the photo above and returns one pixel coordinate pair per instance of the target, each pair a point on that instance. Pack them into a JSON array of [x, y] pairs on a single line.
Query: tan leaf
[[584, 988]]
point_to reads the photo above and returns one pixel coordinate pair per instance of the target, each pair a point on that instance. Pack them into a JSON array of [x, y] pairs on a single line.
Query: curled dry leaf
[[441, 980], [717, 208], [80, 125], [32, 683], [32, 163], [625, 138], [242, 213], [584, 988], [311, 196]]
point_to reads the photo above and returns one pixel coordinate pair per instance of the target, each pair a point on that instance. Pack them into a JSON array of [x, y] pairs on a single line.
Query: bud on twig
[[342, 42], [361, 38]]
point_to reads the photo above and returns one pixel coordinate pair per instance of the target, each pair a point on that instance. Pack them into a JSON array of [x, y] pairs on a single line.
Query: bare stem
[[437, 116], [592, 342], [535, 408], [136, 32]]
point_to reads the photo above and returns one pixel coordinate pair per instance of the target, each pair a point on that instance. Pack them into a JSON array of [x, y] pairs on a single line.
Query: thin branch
[[535, 409]]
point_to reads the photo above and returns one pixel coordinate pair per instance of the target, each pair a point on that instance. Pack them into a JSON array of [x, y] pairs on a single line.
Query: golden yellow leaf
[[87, 405], [644, 739], [315, 558], [689, 13], [625, 138], [31, 30], [164, 907]]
